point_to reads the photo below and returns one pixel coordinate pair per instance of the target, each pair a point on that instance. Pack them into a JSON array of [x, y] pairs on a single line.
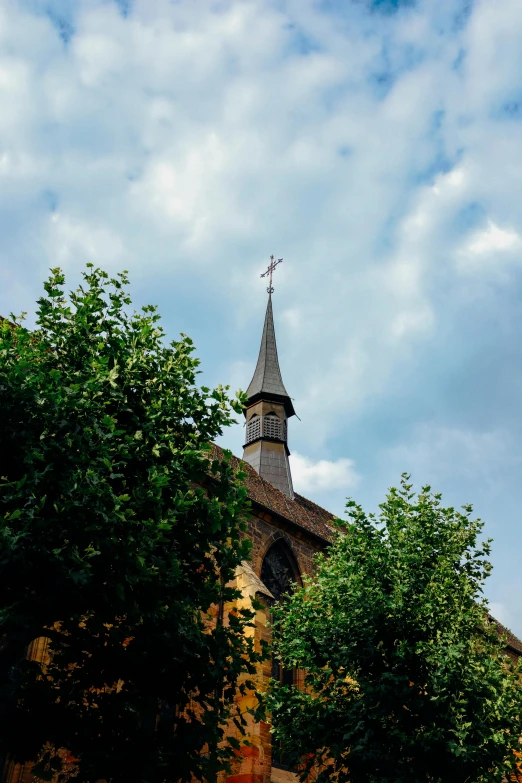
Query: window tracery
[[277, 572]]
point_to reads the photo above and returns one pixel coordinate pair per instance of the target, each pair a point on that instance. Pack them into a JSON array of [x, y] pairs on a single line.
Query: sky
[[375, 146]]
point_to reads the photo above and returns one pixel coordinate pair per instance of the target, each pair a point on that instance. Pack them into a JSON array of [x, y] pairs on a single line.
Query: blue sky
[[377, 147]]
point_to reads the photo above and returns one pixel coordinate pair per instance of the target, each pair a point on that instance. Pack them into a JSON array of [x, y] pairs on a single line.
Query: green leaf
[[102, 416]]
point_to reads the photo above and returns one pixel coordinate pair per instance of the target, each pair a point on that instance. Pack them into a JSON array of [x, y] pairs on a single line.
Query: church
[[286, 530]]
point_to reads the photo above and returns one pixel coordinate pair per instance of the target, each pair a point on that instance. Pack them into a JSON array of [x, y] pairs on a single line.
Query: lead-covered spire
[[268, 409], [267, 380]]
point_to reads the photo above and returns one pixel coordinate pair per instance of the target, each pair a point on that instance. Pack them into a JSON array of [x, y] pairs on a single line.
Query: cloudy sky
[[376, 146]]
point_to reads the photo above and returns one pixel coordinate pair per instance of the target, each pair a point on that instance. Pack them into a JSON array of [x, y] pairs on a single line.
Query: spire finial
[[272, 265]]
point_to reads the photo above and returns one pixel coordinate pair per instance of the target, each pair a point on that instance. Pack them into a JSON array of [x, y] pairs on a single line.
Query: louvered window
[[253, 428], [272, 426], [269, 426]]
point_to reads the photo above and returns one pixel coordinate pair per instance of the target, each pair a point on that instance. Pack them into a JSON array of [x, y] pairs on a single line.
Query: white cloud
[[184, 134], [187, 138], [437, 453], [379, 154], [493, 239], [405, 322], [501, 613], [310, 476], [75, 241], [449, 183], [490, 250]]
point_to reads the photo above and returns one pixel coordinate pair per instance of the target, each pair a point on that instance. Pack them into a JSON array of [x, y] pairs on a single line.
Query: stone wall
[[254, 762]]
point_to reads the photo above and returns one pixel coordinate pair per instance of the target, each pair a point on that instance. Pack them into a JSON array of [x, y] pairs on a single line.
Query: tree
[[405, 676], [118, 536]]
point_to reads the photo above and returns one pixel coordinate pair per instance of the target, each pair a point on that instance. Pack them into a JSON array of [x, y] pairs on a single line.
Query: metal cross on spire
[[272, 265]]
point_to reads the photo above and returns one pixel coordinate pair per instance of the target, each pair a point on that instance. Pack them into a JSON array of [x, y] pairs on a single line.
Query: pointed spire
[[267, 382], [267, 412]]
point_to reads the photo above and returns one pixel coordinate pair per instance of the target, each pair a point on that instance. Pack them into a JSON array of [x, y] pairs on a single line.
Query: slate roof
[[300, 511], [267, 379]]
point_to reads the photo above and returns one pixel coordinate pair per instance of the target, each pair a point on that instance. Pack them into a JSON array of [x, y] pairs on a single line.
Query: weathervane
[[272, 265]]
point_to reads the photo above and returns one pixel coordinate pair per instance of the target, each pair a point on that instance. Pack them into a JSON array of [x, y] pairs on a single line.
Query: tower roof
[[267, 382]]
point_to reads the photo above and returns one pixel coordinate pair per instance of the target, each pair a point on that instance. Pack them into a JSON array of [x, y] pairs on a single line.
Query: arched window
[[279, 572]]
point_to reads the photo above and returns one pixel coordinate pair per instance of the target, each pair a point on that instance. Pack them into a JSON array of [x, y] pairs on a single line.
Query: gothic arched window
[[279, 574]]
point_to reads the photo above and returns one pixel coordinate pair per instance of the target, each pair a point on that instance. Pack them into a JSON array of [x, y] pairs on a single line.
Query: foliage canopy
[[406, 678], [118, 535]]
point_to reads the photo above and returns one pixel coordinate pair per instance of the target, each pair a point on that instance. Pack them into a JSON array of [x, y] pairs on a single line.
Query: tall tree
[[406, 678], [118, 536]]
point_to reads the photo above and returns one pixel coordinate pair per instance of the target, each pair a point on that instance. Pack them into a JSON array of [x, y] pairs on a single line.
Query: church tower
[[268, 409]]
